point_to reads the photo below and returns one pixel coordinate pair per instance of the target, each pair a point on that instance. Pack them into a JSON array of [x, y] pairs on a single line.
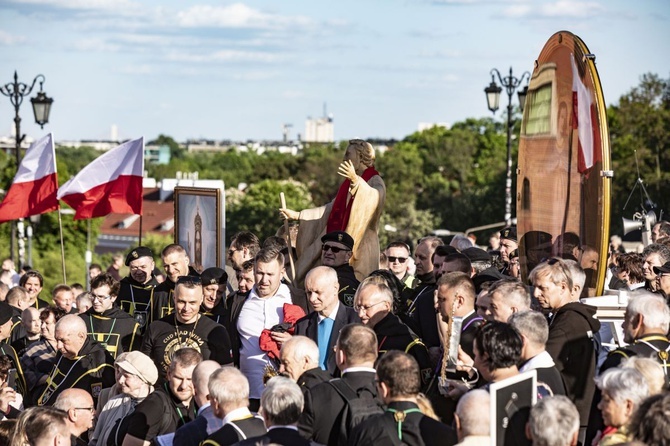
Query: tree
[[256, 209], [640, 126], [163, 140]]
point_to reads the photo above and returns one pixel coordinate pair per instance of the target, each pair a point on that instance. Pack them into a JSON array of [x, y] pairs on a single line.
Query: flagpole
[[62, 247], [140, 243]]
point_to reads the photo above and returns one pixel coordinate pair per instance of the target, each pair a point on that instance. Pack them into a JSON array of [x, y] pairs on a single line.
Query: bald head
[[322, 286], [70, 335], [201, 375], [78, 404], [30, 319], [298, 355], [472, 414]]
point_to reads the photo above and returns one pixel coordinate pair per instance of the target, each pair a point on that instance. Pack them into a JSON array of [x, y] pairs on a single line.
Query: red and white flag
[[585, 121], [33, 190], [110, 183]]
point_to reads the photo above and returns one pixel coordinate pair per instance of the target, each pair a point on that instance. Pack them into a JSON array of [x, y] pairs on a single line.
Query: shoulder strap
[[662, 354], [343, 389], [240, 432]]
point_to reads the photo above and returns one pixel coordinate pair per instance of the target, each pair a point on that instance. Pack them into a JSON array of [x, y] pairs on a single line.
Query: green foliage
[[640, 124], [163, 140], [257, 210], [156, 242]]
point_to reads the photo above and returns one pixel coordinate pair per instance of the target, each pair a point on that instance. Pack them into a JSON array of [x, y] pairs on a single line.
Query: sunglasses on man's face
[[334, 249], [399, 259]]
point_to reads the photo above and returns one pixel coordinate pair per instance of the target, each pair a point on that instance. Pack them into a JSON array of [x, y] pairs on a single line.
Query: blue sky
[[239, 70]]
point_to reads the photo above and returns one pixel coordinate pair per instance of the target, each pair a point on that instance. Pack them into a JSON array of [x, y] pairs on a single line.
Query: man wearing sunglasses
[[398, 254], [336, 252]]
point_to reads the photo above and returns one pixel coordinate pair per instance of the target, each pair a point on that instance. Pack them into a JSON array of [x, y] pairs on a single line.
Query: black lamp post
[[511, 84], [16, 91]]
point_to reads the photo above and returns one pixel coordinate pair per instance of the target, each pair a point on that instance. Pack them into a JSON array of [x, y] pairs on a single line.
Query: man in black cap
[[508, 243], [214, 281], [136, 292], [479, 259], [336, 252]]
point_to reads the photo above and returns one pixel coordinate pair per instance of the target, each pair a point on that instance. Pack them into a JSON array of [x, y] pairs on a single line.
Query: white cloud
[[222, 56], [96, 46], [117, 6], [237, 15], [558, 9], [7, 39]]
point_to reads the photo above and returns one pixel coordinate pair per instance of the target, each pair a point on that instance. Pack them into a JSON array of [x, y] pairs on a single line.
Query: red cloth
[[292, 313], [339, 214]]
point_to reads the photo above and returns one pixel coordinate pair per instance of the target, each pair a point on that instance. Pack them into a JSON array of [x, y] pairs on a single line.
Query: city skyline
[[242, 70]]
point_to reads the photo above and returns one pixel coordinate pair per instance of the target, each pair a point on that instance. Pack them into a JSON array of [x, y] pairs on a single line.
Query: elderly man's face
[[321, 292], [652, 260], [289, 365], [334, 254], [549, 294], [69, 343], [371, 305]]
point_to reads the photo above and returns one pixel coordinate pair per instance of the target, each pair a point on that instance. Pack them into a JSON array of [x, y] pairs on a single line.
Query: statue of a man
[[356, 209]]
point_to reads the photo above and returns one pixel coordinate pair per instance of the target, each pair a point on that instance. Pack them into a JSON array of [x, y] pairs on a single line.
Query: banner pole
[[62, 247]]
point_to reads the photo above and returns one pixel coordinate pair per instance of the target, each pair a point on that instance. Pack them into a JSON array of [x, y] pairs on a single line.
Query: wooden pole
[[140, 243], [288, 239]]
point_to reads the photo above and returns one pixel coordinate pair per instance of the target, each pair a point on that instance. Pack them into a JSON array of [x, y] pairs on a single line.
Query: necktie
[[325, 329]]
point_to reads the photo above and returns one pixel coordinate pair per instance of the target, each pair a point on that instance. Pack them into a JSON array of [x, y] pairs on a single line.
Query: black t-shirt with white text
[[166, 336]]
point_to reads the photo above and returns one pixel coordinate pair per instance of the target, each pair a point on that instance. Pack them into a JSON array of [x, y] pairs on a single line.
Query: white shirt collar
[[540, 361], [332, 314], [359, 369]]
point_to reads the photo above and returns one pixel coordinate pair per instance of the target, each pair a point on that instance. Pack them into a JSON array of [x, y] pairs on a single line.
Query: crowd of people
[[255, 357]]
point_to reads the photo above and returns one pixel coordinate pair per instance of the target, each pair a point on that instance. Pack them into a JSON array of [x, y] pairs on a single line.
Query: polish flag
[[111, 183], [584, 119], [33, 190]]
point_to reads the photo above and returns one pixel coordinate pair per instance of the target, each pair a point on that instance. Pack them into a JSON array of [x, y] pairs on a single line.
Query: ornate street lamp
[[510, 83], [16, 91]]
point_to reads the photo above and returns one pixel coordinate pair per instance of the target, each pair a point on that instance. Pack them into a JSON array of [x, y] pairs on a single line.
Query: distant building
[[157, 154], [320, 129]]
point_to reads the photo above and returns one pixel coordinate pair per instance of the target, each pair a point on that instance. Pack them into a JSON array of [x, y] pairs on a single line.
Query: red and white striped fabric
[[33, 190], [110, 183]]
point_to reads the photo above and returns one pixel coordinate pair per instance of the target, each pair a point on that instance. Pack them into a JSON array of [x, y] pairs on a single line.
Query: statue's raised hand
[[288, 214], [347, 170]]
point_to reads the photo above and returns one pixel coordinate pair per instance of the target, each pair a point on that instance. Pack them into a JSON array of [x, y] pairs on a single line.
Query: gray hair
[[577, 273], [382, 288], [301, 347], [651, 369], [282, 401], [660, 249], [623, 384], [461, 242], [514, 292], [553, 421], [228, 385], [474, 414], [532, 325], [652, 307]]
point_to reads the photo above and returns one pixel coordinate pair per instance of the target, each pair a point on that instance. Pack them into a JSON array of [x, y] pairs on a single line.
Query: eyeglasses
[[399, 259], [100, 298], [189, 280], [365, 308], [334, 249], [90, 409], [232, 251]]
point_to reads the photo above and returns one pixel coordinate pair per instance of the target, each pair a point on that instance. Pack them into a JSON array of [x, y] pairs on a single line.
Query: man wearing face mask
[[136, 292]]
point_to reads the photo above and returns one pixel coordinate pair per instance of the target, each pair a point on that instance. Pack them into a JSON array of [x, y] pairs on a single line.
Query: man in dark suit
[[355, 354], [282, 403], [329, 315], [399, 383]]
